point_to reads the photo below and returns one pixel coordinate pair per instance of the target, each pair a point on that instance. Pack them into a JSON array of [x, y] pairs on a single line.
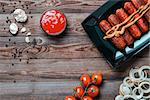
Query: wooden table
[[51, 70]]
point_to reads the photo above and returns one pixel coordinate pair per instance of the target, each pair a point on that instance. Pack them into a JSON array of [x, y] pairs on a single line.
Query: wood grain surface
[[50, 71]]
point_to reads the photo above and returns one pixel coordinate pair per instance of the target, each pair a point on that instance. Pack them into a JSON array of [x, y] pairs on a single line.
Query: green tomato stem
[[85, 90]]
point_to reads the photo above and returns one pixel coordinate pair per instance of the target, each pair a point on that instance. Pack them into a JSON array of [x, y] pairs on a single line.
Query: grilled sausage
[[145, 1], [114, 20], [117, 41], [134, 30], [138, 4], [142, 23]]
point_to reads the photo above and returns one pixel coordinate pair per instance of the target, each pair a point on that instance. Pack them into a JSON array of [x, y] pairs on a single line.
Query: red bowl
[[53, 22]]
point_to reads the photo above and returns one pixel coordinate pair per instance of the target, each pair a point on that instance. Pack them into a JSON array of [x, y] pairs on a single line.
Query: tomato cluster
[[88, 89]]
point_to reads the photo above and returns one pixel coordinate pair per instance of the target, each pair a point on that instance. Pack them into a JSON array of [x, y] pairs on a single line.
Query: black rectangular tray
[[114, 57]]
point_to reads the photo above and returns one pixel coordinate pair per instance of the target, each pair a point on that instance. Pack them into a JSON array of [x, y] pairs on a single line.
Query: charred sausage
[[117, 41], [138, 4], [134, 30], [114, 20], [145, 1], [142, 23]]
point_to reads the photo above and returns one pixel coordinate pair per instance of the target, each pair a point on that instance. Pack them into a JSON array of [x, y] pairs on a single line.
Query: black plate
[[114, 57]]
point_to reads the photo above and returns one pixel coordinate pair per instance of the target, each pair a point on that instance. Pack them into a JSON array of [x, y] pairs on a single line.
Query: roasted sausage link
[[139, 3], [114, 20], [134, 30], [142, 23], [117, 41]]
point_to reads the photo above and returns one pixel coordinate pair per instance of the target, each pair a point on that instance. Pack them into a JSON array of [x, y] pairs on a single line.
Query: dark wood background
[[50, 71]]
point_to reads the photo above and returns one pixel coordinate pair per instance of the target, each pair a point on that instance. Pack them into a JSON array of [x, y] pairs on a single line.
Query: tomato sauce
[[53, 22]]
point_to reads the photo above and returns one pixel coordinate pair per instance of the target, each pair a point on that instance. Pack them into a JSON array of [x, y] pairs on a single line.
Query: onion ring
[[119, 97], [139, 90], [133, 77], [127, 81], [145, 90], [136, 86], [129, 96], [125, 90], [142, 70]]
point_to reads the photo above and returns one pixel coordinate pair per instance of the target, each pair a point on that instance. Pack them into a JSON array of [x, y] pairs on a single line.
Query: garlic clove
[[27, 39], [13, 28], [23, 30], [28, 34]]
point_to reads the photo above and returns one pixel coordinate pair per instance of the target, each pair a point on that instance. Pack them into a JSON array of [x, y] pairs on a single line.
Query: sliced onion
[[127, 81], [136, 71], [147, 90], [136, 86], [141, 70], [125, 90], [139, 90], [147, 96], [129, 97], [119, 97]]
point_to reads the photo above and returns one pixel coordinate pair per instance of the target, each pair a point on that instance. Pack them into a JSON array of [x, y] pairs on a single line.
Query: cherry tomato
[[69, 98], [85, 79], [93, 91], [78, 91], [87, 98], [97, 78]]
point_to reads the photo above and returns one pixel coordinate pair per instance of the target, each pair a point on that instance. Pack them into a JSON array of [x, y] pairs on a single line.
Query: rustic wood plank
[[50, 71], [55, 51], [74, 24], [74, 50], [74, 6], [51, 90]]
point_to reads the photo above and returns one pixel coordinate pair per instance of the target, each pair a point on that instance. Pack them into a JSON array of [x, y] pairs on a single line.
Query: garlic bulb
[[20, 15]]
